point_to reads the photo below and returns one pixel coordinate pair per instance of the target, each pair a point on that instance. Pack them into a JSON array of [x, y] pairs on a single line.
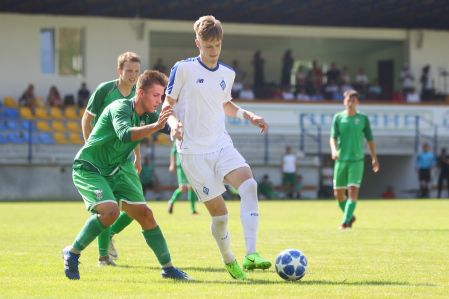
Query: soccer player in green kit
[[103, 183], [349, 129], [183, 182], [128, 69]]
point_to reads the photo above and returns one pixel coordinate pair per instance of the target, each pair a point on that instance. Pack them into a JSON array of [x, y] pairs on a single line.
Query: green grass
[[397, 249]]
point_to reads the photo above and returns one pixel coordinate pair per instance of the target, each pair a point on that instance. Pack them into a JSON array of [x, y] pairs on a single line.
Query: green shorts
[[348, 174], [182, 179], [289, 179], [95, 188]]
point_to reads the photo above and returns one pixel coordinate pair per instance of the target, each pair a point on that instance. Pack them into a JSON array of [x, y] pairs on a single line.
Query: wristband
[[240, 112]]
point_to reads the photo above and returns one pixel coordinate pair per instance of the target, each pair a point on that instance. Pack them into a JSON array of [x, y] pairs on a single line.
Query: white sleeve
[[175, 81], [228, 95]]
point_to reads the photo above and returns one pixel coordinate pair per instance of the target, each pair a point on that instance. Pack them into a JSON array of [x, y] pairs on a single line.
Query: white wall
[[429, 47]]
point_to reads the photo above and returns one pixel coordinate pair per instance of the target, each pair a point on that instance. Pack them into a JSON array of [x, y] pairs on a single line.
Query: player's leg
[[340, 183], [191, 197], [355, 175], [238, 174], [128, 189], [200, 171], [175, 196]]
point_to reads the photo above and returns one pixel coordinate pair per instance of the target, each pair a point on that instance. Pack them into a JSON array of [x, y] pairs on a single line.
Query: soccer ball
[[291, 264]]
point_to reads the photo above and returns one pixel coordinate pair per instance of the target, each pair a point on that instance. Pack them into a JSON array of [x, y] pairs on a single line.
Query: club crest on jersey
[[142, 123], [199, 81], [206, 190], [223, 84], [357, 121], [99, 194]]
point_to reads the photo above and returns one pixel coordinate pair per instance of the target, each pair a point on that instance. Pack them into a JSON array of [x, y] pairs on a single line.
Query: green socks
[[191, 196], [92, 228], [103, 242], [176, 195], [349, 210], [122, 221], [342, 205], [155, 239]]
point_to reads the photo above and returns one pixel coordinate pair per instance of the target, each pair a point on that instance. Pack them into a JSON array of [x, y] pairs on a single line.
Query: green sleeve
[[334, 129], [367, 130], [96, 100], [121, 120]]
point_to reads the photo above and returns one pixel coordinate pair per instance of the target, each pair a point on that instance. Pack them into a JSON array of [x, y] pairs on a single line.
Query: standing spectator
[[349, 130], [28, 98], [425, 161], [160, 66], [333, 74], [345, 77], [361, 81], [259, 73], [426, 84], [315, 78], [407, 80], [54, 97], [443, 165], [287, 65], [301, 79], [237, 87], [288, 170], [83, 95]]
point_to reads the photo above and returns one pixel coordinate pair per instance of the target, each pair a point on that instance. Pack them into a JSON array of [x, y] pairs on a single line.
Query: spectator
[[425, 161], [407, 80], [302, 95], [287, 93], [331, 90], [326, 181], [361, 81], [301, 79], [149, 179], [389, 193], [374, 91], [83, 95], [287, 66], [333, 74], [54, 97], [259, 73], [288, 170], [427, 91], [412, 96], [237, 87], [443, 165], [298, 187], [246, 93], [315, 78], [345, 77], [266, 189], [28, 99], [160, 66]]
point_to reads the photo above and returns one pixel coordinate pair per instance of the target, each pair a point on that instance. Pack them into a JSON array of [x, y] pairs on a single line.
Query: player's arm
[[374, 160], [172, 165], [86, 124], [233, 110], [138, 133], [176, 128], [137, 159], [333, 138]]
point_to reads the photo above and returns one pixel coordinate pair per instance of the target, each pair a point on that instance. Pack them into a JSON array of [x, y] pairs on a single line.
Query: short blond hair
[[127, 57], [149, 78], [208, 28], [351, 93]]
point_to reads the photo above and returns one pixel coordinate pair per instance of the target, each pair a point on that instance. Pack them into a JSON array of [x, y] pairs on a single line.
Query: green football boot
[[235, 271], [255, 261]]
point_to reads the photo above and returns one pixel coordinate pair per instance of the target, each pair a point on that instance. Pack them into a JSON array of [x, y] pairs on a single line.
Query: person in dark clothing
[[443, 165]]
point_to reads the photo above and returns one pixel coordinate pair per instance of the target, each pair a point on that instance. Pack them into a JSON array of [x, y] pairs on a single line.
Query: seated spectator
[[407, 80], [28, 99], [83, 95], [54, 97], [266, 189], [331, 90], [149, 179], [276, 92], [374, 91], [361, 81], [345, 77], [333, 74], [247, 93], [287, 94], [388, 193], [412, 96]]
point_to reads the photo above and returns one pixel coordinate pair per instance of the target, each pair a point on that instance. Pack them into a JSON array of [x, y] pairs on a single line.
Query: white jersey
[[289, 163], [201, 93]]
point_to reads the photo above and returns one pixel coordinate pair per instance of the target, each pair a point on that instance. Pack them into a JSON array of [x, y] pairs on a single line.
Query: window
[[64, 53]]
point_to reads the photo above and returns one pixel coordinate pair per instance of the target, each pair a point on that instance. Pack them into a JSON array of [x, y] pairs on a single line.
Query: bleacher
[[44, 125]]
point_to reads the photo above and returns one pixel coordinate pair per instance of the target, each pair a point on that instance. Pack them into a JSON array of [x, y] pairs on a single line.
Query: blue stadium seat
[[46, 138], [11, 113], [26, 124], [12, 124], [16, 137], [2, 138], [3, 124]]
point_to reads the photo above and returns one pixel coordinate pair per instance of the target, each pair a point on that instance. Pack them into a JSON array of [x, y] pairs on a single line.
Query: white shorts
[[206, 172]]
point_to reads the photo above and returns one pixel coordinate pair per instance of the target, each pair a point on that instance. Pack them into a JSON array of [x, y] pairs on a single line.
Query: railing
[[315, 135], [419, 134]]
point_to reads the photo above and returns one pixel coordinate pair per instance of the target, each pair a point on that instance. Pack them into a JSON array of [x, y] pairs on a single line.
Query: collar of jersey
[[206, 67]]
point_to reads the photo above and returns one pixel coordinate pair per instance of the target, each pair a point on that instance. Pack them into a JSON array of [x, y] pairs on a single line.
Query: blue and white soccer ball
[[291, 264]]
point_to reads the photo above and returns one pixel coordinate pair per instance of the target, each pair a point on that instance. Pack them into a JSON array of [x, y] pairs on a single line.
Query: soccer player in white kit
[[201, 89]]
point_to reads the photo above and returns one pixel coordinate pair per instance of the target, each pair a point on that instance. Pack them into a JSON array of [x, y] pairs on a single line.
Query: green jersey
[[350, 132], [105, 94], [109, 145]]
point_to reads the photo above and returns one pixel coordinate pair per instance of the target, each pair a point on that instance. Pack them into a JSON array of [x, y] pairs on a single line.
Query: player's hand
[[163, 116], [138, 166], [376, 165], [171, 168], [334, 155], [178, 131], [258, 121]]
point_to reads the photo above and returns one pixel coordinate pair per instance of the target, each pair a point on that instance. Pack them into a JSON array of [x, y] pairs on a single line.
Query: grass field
[[397, 249]]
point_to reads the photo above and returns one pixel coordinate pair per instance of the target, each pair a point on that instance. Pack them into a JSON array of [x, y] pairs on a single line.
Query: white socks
[[219, 229], [249, 213]]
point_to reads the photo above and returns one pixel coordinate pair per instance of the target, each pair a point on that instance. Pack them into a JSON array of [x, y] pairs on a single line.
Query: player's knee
[[109, 215], [184, 188], [248, 186], [147, 218]]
